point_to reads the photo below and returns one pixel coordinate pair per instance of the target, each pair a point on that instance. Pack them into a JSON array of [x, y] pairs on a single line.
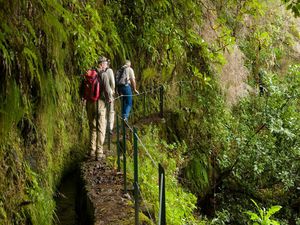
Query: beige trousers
[[96, 112], [111, 117]]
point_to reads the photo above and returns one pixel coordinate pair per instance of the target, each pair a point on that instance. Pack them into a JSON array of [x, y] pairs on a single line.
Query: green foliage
[[10, 110], [253, 144], [221, 218], [263, 218], [40, 199], [179, 204], [39, 110], [266, 46], [162, 37], [294, 6], [203, 78], [271, 133], [45, 43], [197, 174], [263, 141]]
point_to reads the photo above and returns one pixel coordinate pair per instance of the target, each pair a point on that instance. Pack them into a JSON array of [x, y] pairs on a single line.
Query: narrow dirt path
[[104, 187], [104, 190]]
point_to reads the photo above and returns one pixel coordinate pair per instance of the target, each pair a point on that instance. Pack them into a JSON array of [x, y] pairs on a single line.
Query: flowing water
[[67, 200]]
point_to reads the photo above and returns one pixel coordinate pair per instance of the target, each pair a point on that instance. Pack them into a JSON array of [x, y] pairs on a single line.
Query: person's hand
[[83, 102], [136, 91]]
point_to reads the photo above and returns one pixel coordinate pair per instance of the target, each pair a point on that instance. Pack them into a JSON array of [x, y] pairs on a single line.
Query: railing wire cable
[[145, 92], [147, 209], [155, 89], [147, 152]]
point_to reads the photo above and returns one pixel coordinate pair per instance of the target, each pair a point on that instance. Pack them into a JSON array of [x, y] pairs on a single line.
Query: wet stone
[[104, 189]]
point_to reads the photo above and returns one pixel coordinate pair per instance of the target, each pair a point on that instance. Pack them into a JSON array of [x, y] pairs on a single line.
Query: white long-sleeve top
[[111, 78]]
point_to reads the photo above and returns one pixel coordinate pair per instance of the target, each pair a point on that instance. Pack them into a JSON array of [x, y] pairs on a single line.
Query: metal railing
[[140, 111], [137, 190]]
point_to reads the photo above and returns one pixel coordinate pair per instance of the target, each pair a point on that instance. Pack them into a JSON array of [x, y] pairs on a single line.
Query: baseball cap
[[102, 59]]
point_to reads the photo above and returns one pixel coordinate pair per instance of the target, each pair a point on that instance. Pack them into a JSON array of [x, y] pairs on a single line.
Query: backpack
[[121, 76], [91, 86]]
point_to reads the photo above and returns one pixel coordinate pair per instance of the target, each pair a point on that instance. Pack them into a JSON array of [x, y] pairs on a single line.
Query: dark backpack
[[121, 77], [91, 86]]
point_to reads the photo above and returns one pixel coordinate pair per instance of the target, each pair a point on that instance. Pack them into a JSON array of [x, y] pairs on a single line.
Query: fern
[[263, 218]]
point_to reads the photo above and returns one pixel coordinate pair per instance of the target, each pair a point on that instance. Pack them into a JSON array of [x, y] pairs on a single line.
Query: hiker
[[95, 105], [111, 78], [125, 79]]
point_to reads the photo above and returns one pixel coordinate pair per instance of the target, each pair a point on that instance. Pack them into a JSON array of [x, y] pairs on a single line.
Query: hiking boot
[[91, 156], [100, 156]]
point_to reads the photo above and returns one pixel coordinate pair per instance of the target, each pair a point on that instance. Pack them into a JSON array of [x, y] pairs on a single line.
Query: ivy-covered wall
[[41, 127]]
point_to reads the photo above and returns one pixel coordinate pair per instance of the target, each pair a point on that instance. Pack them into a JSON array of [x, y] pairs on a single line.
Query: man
[[111, 78], [124, 89], [96, 112]]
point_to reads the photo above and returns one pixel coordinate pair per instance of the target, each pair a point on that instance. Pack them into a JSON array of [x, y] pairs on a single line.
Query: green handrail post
[[118, 144], [161, 94], [136, 190], [124, 155], [162, 198], [144, 104], [108, 127], [180, 96], [133, 108]]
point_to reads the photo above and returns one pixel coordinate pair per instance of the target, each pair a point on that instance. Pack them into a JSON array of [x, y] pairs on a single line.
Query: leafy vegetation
[[180, 204], [264, 215], [293, 6]]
